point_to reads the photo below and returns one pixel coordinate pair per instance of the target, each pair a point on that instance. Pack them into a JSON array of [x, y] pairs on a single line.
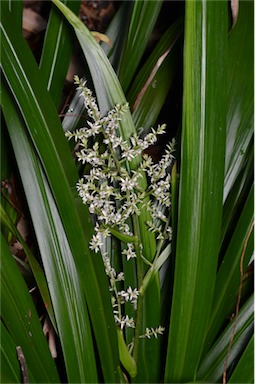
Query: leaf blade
[[56, 52], [19, 64], [240, 331], [200, 203], [21, 319]]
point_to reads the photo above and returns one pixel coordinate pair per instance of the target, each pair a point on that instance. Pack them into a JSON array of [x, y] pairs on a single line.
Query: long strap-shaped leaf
[[201, 184], [39, 113], [21, 319], [220, 357], [151, 85], [143, 19], [240, 249], [35, 266], [10, 369], [56, 52], [240, 103], [62, 276], [244, 371]]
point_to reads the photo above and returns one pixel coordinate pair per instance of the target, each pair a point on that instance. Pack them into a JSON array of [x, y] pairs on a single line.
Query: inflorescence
[[111, 188]]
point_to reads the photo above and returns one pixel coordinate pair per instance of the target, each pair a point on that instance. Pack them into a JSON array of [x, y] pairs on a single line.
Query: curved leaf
[[72, 320], [35, 266], [143, 19], [244, 371], [240, 113], [228, 276], [21, 319], [45, 129], [150, 87], [212, 367]]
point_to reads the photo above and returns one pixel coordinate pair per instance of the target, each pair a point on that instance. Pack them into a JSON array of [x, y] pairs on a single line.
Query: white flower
[[125, 321], [153, 332], [120, 276], [160, 236], [95, 243], [129, 295], [106, 190], [129, 252], [161, 216], [127, 184], [125, 229], [94, 128], [110, 272], [169, 232], [117, 142], [133, 294], [89, 100], [105, 232]]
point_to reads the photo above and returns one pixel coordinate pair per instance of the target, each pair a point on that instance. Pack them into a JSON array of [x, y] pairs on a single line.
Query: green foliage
[[201, 185], [206, 274]]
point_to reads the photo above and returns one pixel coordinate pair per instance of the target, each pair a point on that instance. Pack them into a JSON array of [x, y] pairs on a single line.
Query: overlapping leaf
[[44, 127]]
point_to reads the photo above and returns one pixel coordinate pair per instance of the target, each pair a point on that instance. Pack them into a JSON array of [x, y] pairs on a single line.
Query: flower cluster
[[112, 190], [149, 332], [120, 297]]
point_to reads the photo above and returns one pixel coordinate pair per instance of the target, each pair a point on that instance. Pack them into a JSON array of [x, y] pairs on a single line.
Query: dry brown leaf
[[101, 37], [234, 9]]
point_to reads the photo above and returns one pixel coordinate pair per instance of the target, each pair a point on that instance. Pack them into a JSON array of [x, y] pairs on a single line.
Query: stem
[[139, 313], [138, 332]]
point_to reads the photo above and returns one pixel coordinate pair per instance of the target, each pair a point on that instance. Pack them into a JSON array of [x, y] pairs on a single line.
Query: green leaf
[[117, 33], [5, 155], [22, 322], [212, 367], [107, 86], [46, 132], [72, 320], [122, 237], [35, 266], [238, 189], [244, 371], [238, 195], [201, 185], [55, 59], [129, 33], [228, 276], [125, 357], [10, 369], [143, 19], [150, 87], [16, 9], [157, 264], [240, 113]]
